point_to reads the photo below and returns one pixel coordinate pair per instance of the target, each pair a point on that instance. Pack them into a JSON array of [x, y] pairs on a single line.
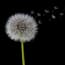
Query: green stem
[[22, 51]]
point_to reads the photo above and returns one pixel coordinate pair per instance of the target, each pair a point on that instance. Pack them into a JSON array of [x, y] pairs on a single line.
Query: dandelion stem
[[22, 51]]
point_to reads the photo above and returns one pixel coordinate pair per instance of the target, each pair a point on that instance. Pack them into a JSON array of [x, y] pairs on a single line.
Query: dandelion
[[21, 27]]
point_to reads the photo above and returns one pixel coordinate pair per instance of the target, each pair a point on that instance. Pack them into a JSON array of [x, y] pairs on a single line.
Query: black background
[[46, 48]]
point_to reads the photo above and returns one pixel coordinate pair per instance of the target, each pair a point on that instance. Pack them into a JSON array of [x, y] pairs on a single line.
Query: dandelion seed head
[[21, 27]]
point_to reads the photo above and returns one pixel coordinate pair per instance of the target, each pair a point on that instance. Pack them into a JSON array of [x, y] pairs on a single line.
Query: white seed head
[[21, 27]]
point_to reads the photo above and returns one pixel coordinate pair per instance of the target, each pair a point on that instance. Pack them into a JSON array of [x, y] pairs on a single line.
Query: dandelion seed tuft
[[21, 27]]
